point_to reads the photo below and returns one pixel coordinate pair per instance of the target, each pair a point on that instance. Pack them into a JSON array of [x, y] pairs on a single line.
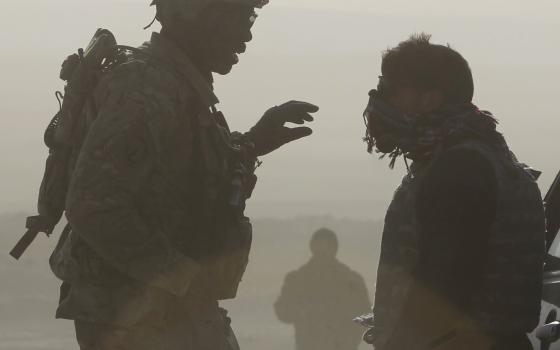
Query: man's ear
[[431, 100]]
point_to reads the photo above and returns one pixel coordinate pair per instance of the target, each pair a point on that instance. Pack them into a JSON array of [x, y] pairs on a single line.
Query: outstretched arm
[[289, 304]]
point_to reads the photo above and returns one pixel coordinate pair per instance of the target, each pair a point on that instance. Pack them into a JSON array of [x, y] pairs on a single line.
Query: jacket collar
[[166, 51]]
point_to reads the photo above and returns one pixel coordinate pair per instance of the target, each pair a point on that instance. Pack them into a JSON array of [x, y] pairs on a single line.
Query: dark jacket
[[462, 251]]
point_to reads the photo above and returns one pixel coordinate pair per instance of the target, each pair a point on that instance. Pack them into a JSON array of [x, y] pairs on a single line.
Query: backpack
[[81, 71]]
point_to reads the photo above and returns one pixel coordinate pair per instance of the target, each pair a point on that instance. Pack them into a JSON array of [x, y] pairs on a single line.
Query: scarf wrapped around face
[[446, 127]]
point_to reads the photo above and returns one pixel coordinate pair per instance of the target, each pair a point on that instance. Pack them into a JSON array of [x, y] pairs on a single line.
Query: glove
[[270, 133]]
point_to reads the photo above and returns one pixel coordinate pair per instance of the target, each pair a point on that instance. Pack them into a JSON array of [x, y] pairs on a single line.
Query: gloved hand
[[270, 133]]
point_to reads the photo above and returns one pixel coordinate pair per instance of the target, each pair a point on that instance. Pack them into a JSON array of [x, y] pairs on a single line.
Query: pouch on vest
[[228, 183]]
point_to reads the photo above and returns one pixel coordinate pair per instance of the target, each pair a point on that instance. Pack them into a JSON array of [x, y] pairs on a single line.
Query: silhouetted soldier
[[321, 298], [157, 196], [463, 245]]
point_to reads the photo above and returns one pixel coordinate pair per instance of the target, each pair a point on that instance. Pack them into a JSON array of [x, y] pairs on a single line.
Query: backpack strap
[[185, 69]]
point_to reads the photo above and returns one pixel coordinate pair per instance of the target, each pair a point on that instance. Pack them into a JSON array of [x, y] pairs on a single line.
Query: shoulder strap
[[188, 71]]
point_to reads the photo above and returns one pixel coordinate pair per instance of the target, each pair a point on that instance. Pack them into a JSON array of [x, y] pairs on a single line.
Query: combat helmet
[[189, 9]]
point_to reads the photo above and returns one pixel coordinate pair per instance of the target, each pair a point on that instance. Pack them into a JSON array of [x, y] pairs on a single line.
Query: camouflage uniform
[[154, 241]]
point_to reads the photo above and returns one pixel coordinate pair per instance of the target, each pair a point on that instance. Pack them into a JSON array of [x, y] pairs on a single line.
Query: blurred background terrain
[[28, 292], [326, 52]]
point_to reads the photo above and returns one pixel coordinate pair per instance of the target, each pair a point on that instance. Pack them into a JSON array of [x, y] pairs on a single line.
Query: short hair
[[328, 237], [419, 64]]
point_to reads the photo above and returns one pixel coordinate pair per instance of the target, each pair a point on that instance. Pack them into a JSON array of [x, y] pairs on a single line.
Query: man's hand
[[270, 133]]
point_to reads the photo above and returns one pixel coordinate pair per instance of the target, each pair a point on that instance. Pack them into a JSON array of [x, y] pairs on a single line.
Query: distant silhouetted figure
[[322, 297]]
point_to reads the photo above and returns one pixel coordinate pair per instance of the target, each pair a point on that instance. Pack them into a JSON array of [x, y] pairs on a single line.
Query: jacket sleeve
[[360, 294], [118, 158], [289, 305], [456, 208]]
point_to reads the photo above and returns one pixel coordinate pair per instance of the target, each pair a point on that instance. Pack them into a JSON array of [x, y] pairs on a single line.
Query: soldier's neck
[[189, 48]]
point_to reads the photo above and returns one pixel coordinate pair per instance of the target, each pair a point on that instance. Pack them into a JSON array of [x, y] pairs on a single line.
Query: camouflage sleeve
[[117, 160]]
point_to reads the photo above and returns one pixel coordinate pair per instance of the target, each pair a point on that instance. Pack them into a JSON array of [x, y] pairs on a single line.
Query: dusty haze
[[323, 51], [327, 52]]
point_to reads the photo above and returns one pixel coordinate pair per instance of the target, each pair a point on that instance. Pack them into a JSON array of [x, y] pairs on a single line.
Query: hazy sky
[[327, 52]]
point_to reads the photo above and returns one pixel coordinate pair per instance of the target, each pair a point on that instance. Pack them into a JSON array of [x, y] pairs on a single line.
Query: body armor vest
[[227, 179], [508, 299]]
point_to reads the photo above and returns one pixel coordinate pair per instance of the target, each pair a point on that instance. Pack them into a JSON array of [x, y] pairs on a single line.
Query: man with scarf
[[463, 244]]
